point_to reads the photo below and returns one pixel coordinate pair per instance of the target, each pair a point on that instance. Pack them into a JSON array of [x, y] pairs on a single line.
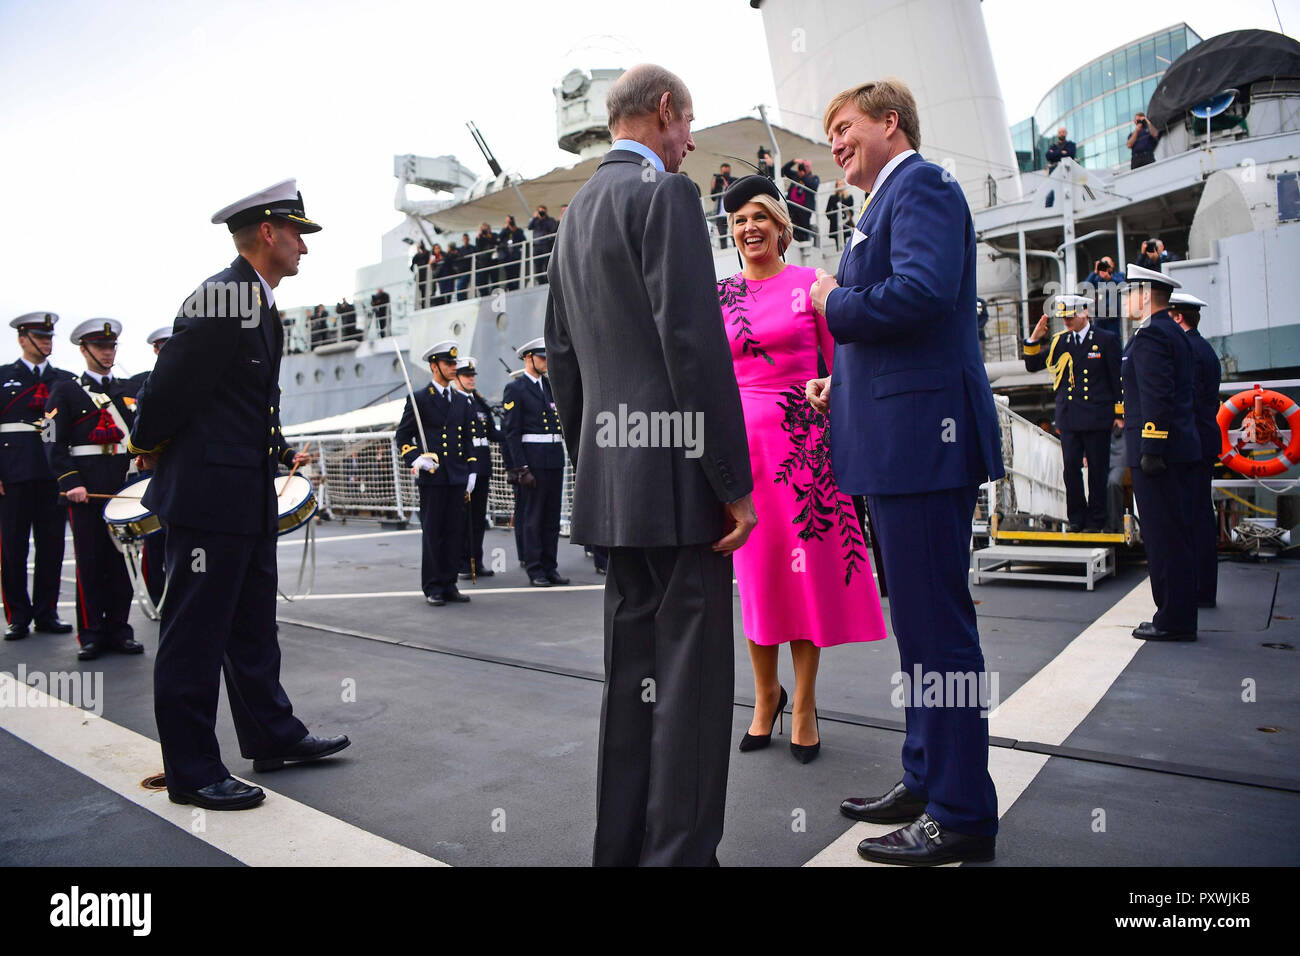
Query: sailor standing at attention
[[154, 546], [1163, 454], [209, 428], [532, 431], [1206, 375], [485, 432], [30, 506], [444, 472], [87, 421], [1084, 360]]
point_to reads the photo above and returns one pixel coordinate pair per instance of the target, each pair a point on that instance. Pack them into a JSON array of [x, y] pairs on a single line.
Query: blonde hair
[[876, 99], [780, 213]]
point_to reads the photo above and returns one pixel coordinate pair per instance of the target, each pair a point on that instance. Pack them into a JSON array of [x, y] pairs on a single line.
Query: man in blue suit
[[913, 427]]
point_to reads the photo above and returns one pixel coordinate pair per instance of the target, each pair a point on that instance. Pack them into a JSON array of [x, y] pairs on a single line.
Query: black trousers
[[1075, 446], [103, 584], [665, 718], [219, 616], [31, 509], [1166, 510], [473, 546], [442, 519], [1205, 533], [538, 513], [152, 565]]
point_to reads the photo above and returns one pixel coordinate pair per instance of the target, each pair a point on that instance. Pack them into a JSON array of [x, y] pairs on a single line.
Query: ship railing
[[819, 229], [360, 475]]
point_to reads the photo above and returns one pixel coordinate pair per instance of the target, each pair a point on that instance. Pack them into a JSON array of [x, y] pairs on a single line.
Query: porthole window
[[318, 375], [338, 373], [298, 378], [359, 369]]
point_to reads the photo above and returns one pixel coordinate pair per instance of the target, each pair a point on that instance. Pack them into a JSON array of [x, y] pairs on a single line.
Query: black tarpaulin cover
[[1229, 61]]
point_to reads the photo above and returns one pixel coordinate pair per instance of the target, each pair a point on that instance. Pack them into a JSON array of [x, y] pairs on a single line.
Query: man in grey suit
[[651, 413]]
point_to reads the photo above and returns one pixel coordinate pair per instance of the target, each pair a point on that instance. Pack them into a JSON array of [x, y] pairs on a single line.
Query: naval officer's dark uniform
[[532, 432], [30, 506], [1206, 373], [1161, 430], [87, 448], [210, 410], [484, 432], [153, 547], [448, 426], [1086, 379]]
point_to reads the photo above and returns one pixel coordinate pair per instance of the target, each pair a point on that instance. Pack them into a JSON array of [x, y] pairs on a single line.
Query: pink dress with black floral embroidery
[[805, 572]]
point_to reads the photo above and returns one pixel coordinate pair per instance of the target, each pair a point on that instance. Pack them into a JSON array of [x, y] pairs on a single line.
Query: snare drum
[[127, 517], [295, 502]]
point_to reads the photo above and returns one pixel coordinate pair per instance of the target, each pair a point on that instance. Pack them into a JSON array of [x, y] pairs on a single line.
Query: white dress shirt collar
[[266, 288], [535, 379], [37, 370], [640, 148], [889, 168], [97, 377]]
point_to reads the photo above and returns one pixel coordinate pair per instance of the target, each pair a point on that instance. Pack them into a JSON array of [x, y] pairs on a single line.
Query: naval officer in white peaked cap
[[209, 427]]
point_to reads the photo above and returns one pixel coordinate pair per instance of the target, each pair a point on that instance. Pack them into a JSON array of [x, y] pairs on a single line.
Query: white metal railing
[[360, 475]]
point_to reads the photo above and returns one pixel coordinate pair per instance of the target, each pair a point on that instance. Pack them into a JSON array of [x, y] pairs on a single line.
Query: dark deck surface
[[467, 714]]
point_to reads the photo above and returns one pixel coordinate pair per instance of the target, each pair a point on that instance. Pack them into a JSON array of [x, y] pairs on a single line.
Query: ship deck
[[474, 731]]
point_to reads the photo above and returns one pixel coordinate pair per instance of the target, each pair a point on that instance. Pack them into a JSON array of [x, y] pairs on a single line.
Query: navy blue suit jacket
[[210, 409], [1158, 394], [910, 409]]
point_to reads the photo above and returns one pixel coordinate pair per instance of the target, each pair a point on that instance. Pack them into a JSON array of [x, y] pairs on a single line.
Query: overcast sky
[[126, 125]]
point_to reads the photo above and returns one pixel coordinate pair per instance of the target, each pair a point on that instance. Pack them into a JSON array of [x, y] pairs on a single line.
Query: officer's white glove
[[469, 488], [426, 462]]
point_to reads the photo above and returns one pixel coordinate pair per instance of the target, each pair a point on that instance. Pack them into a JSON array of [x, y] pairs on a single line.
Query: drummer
[[86, 424], [155, 545]]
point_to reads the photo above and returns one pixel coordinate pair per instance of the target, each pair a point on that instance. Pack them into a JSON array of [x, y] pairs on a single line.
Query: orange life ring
[[1243, 402]]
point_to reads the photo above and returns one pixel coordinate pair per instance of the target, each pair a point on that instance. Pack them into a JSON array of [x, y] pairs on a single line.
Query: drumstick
[[90, 495], [293, 470]]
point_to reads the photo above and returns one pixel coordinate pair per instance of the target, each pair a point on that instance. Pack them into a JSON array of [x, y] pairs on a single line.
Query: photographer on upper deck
[[1142, 141]]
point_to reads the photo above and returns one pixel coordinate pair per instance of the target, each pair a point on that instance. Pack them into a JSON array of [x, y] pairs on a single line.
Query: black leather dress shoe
[[129, 646], [554, 578], [1146, 631], [228, 794], [309, 748], [899, 805], [924, 843], [437, 600], [540, 582], [54, 626], [15, 632], [455, 597], [89, 651]]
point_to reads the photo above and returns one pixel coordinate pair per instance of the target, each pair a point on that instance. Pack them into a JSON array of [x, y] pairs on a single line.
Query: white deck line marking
[[280, 832], [1046, 708], [320, 539], [292, 539], [420, 594]]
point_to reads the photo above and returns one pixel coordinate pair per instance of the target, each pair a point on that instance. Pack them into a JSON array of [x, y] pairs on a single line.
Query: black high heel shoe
[[809, 753], [759, 741]]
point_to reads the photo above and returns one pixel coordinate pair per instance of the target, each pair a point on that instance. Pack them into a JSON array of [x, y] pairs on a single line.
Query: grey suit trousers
[[665, 720]]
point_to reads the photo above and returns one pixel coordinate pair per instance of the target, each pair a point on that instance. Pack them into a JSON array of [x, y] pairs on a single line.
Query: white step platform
[[1031, 563]]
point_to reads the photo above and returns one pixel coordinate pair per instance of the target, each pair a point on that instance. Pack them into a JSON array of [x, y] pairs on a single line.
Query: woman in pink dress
[[804, 574]]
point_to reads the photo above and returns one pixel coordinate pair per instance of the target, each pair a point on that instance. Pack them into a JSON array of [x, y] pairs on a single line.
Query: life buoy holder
[[1254, 401]]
